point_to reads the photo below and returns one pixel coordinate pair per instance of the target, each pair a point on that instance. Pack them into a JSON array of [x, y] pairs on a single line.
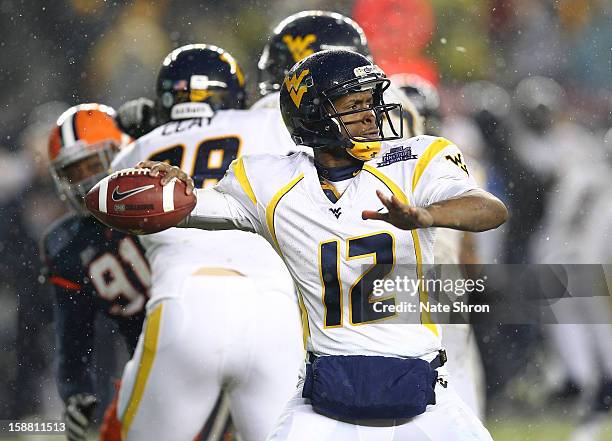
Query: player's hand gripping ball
[[135, 202]]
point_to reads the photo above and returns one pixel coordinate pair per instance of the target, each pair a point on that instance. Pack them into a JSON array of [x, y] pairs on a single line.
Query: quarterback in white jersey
[[217, 297], [311, 31], [277, 196], [322, 215]]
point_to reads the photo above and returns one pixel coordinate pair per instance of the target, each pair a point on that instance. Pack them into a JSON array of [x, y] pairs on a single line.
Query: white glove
[[77, 416], [137, 117]]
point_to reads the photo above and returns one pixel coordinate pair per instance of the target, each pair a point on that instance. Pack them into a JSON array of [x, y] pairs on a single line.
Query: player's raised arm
[[476, 210], [442, 193]]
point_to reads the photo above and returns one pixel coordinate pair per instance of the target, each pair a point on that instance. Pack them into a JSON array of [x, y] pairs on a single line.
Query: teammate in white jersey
[[334, 242], [218, 299]]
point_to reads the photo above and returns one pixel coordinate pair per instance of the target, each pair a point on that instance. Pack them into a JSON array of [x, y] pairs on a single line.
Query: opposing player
[[92, 269], [335, 241], [222, 316]]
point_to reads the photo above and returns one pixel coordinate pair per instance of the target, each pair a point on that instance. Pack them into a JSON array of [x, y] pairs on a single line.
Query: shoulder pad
[[420, 143], [283, 162], [267, 173]]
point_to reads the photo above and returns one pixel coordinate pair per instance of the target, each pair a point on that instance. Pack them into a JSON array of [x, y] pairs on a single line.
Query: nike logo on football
[[119, 195]]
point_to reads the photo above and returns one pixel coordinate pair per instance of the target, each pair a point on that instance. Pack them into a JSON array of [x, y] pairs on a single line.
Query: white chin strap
[[335, 120], [191, 110]]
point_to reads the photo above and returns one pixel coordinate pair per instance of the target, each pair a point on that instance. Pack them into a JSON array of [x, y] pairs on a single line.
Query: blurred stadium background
[[554, 175]]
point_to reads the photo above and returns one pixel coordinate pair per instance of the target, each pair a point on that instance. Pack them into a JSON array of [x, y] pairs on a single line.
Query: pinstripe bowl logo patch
[[396, 154]]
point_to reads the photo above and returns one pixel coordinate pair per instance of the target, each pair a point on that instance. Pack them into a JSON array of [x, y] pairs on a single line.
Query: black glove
[[137, 117], [79, 409]]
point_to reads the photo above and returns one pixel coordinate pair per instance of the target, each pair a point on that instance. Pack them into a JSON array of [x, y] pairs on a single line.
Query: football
[[135, 202]]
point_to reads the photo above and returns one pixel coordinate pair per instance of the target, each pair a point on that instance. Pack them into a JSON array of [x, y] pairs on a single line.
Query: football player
[[307, 32], [425, 98], [575, 229], [92, 269], [374, 219], [294, 38], [222, 316]]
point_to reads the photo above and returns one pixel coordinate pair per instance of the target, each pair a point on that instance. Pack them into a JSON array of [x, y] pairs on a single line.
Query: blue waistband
[[436, 363]]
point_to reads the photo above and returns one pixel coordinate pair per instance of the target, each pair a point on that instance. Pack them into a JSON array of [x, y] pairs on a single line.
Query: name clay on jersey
[[205, 148]]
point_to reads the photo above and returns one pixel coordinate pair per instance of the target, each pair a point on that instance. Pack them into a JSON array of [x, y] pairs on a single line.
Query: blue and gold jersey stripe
[[426, 157], [243, 180]]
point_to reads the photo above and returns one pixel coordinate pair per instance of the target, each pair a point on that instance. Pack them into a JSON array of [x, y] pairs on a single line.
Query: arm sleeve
[[231, 204], [444, 176], [74, 329]]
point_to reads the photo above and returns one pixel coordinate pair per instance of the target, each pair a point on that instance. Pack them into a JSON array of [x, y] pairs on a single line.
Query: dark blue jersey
[[93, 270]]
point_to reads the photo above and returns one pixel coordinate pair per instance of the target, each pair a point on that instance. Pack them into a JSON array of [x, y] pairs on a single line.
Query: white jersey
[[330, 250], [204, 149], [269, 101]]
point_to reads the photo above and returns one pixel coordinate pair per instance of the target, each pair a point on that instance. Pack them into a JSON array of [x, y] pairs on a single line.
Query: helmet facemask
[[334, 99], [269, 71], [364, 146], [79, 168]]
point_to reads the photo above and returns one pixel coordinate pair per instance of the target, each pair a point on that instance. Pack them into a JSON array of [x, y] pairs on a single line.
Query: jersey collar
[[335, 174]]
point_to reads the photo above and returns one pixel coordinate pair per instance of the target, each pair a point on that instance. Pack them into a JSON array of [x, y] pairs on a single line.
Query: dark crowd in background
[[525, 89]]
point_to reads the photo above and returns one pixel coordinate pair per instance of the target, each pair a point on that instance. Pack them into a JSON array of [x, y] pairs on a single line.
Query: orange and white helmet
[[81, 149]]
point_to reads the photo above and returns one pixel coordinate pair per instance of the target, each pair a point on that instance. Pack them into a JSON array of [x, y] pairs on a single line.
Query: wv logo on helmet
[[296, 90], [299, 46]]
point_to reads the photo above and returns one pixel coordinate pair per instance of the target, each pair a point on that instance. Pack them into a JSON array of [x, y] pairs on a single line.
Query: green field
[[534, 430]]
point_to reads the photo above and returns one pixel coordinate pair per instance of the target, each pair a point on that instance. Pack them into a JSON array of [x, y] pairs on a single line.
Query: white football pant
[[582, 339], [220, 334], [465, 366], [450, 419]]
